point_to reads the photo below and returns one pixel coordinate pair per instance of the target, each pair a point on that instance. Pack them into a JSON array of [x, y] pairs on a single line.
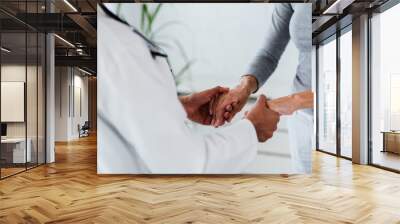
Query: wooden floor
[[387, 159], [5, 172], [70, 191]]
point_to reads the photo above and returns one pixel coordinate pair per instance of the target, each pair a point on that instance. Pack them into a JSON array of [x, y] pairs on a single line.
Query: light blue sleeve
[[276, 41]]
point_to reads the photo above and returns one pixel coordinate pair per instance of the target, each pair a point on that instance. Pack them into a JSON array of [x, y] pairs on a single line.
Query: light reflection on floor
[[387, 159]]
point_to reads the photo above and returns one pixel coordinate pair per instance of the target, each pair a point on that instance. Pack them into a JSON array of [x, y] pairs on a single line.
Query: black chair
[[84, 130]]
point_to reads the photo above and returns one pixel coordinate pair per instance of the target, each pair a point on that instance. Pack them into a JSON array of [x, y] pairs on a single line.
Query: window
[[385, 89], [327, 97], [346, 94]]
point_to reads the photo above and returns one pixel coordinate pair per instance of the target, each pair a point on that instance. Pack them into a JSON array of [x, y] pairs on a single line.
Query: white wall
[[69, 81], [222, 38], [79, 117], [61, 103], [12, 73]]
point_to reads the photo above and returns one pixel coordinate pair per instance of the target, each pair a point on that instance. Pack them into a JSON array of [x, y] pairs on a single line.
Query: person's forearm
[[287, 105], [248, 84], [303, 100], [276, 40]]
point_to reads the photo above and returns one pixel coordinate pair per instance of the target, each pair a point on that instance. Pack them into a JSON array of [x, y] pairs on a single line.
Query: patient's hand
[[283, 105], [287, 105], [198, 106]]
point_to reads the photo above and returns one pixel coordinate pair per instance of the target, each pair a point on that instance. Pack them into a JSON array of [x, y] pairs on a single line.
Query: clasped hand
[[201, 108]]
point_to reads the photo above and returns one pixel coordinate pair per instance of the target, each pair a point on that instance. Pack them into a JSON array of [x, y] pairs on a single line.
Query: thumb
[[262, 101]]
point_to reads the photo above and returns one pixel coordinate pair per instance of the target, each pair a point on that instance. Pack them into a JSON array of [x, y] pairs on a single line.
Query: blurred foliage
[[147, 20]]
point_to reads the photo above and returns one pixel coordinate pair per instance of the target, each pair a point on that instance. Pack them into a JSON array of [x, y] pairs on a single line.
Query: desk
[[13, 150], [391, 141]]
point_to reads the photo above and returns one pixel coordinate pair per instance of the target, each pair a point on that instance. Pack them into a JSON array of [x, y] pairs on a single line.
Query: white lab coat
[[142, 126]]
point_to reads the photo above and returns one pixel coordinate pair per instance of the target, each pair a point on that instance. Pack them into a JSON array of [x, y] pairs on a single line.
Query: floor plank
[[70, 191]]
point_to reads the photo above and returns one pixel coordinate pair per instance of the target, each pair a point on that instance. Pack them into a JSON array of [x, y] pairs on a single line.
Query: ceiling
[[75, 43], [332, 15]]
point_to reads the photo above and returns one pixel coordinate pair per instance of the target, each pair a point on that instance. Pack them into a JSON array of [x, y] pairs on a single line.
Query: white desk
[[18, 149]]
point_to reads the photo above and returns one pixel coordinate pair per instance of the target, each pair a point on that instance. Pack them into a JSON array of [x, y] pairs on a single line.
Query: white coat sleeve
[[137, 97], [232, 148]]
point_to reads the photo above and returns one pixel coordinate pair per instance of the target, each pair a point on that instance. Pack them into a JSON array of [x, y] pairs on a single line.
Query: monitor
[[3, 129]]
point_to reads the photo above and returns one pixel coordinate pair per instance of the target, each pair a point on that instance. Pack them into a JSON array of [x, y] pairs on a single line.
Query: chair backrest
[[86, 125]]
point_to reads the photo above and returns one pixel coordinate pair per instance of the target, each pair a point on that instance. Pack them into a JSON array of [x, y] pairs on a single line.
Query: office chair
[[84, 130]]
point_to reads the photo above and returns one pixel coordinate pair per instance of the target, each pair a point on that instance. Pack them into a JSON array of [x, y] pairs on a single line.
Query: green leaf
[[145, 20], [148, 20], [143, 17], [155, 13], [151, 16]]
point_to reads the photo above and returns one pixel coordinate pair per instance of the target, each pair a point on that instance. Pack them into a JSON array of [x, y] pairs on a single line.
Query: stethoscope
[[154, 49]]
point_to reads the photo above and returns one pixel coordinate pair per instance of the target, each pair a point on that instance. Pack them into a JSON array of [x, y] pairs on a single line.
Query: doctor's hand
[[264, 119], [198, 106], [232, 102]]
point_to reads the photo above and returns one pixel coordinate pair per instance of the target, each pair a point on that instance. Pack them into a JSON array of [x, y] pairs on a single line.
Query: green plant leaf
[[155, 13], [148, 19], [151, 16], [148, 16], [143, 17]]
